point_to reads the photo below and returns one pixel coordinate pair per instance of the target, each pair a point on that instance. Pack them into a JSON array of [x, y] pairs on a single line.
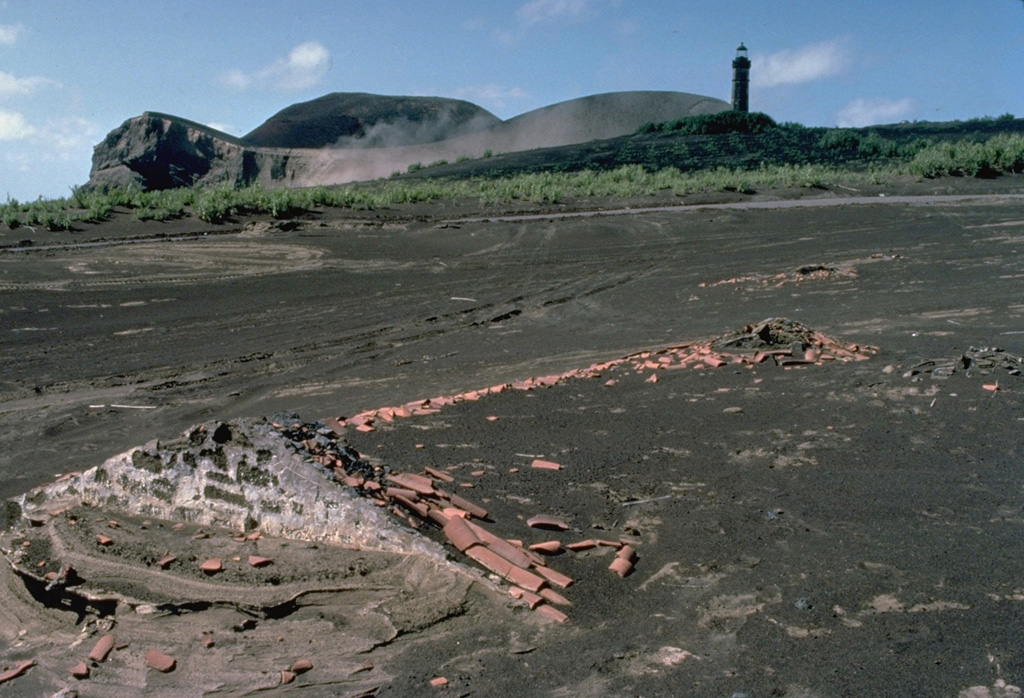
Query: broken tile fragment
[[393, 492], [525, 579], [414, 505], [552, 613], [489, 559], [301, 666], [287, 676], [102, 648], [531, 599], [548, 547], [582, 545], [542, 464], [79, 671], [155, 659], [460, 534], [553, 576], [547, 522], [552, 596], [517, 556], [417, 483], [626, 552], [211, 566], [439, 474], [438, 682], [621, 566], [18, 669], [258, 561], [165, 562], [104, 540], [469, 507]]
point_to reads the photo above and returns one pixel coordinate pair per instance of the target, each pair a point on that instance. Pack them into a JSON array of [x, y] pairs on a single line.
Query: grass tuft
[[875, 160]]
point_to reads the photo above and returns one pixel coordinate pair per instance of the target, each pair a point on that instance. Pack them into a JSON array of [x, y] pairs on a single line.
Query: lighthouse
[[741, 80]]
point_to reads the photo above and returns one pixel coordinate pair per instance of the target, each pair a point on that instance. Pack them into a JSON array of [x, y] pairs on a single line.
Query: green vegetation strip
[[1001, 153]]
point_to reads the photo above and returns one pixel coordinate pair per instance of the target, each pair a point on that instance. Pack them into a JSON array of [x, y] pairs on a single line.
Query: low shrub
[[710, 124], [1001, 153]]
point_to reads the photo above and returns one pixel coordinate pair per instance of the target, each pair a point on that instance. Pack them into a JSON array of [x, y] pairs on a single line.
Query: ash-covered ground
[[800, 525]]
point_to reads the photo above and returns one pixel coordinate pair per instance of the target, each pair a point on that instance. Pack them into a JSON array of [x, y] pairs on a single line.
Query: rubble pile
[[806, 272], [421, 499], [983, 361]]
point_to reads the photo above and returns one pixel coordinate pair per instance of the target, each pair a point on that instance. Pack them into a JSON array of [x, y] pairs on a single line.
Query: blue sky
[[71, 71]]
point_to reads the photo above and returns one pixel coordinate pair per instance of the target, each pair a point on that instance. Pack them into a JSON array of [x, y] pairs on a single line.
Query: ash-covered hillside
[[344, 137]]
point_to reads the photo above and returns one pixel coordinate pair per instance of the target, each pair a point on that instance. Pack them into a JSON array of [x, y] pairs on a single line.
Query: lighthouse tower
[[741, 80]]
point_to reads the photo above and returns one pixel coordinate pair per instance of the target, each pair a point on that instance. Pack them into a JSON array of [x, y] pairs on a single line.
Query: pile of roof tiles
[[420, 499]]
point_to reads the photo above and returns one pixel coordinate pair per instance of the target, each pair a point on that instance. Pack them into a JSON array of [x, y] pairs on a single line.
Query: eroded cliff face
[[160, 151]]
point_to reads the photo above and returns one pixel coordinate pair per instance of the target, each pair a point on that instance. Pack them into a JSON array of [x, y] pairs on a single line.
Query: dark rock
[[160, 151]]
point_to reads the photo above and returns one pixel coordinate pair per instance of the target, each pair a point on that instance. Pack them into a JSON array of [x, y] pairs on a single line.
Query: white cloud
[[546, 12], [304, 67], [537, 11], [9, 33], [235, 79], [493, 96], [864, 112], [11, 85], [14, 126], [803, 64]]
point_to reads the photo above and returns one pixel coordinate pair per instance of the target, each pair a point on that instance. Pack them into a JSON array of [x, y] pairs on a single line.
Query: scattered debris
[[983, 361], [101, 649], [212, 566], [18, 669], [79, 671], [807, 272], [547, 522], [301, 666], [292, 479], [541, 464], [155, 659]]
